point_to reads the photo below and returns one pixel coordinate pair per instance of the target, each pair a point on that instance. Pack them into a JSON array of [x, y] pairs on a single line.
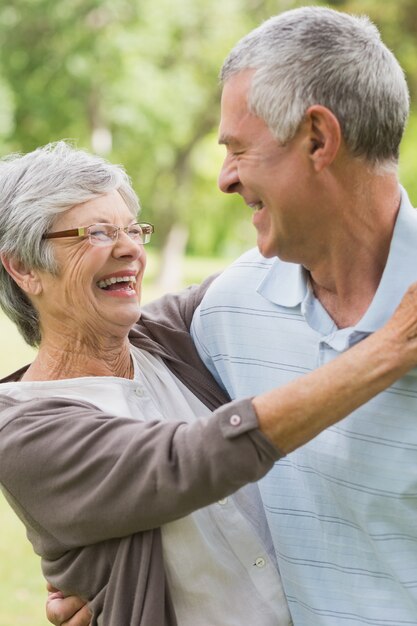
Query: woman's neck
[[56, 362]]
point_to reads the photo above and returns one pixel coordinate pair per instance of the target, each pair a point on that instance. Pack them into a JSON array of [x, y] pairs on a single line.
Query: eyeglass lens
[[104, 234]]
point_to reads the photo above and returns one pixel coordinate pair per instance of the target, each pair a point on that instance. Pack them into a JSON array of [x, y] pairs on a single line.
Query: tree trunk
[[171, 271]]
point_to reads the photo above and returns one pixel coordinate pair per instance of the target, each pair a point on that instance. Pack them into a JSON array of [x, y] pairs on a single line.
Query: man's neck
[[346, 275]]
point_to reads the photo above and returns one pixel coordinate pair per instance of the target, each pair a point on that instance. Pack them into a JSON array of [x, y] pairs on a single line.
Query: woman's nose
[[126, 246]]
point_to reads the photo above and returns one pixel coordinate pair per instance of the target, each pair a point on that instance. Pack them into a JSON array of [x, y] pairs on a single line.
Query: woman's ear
[[325, 135], [27, 279]]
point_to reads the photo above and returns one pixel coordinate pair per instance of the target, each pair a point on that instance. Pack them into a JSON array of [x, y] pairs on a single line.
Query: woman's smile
[[119, 284]]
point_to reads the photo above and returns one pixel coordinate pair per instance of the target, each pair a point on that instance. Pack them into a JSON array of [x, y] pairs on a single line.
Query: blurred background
[[136, 81]]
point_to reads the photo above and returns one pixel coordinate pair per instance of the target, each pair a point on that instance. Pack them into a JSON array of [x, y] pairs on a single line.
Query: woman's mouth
[[122, 285]]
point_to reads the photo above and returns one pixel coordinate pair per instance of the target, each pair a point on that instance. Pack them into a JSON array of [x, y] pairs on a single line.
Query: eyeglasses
[[106, 234]]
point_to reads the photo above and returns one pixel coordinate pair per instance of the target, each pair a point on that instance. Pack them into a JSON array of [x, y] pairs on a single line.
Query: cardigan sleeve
[[78, 476]]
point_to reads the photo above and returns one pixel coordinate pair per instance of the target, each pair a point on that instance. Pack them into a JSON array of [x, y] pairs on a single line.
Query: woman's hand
[[69, 611]]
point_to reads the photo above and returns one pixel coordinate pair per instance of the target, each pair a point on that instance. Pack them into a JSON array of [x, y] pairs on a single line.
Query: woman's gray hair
[[34, 189], [315, 55]]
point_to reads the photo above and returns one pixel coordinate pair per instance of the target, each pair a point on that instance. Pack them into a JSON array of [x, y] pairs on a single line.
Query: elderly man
[[313, 110]]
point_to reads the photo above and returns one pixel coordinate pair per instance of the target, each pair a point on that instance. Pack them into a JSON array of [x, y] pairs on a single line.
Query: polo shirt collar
[[286, 284]]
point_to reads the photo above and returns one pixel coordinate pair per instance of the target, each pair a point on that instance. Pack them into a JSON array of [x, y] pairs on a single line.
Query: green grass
[[22, 588]]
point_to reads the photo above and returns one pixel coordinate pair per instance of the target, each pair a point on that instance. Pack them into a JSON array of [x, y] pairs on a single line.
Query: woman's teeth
[[116, 279]]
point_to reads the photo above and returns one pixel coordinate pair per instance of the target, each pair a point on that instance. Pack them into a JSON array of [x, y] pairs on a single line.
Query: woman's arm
[[64, 464], [292, 415]]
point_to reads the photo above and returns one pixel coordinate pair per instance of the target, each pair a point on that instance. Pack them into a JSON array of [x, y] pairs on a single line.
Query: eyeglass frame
[[83, 231]]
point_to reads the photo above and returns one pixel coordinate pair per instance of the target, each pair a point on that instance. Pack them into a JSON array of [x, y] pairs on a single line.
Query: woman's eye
[[99, 233]]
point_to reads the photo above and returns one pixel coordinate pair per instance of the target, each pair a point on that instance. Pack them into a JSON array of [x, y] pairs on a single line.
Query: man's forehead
[[234, 107], [240, 127], [236, 89]]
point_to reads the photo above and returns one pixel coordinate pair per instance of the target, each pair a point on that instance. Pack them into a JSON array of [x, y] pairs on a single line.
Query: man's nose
[[228, 178]]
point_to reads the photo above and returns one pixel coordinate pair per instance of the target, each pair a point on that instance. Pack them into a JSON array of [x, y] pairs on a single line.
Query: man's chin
[[267, 248]]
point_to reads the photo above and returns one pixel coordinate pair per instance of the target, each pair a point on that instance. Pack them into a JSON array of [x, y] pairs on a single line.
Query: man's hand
[[69, 611]]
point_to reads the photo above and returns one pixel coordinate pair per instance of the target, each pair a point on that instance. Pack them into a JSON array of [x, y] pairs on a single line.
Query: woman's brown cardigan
[[93, 489]]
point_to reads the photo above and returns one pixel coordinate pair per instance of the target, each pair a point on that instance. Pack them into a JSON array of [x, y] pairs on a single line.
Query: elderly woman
[[124, 493]]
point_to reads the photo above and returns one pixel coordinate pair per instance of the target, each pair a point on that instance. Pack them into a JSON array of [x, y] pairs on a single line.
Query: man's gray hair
[[315, 55], [34, 189]]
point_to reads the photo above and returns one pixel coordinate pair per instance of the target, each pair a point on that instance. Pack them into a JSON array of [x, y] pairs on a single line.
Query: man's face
[[270, 177]]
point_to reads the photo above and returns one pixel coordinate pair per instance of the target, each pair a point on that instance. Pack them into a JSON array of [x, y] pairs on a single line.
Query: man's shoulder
[[240, 278], [252, 260]]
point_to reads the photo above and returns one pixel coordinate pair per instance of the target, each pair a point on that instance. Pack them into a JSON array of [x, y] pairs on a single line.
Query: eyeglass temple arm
[[75, 232]]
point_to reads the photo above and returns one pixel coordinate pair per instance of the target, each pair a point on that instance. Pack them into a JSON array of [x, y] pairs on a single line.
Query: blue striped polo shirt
[[343, 508]]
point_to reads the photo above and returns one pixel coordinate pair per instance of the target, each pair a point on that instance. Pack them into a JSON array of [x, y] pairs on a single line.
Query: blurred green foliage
[[136, 80]]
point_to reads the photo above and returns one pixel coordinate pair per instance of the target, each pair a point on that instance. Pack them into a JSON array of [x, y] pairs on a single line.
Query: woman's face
[[77, 301]]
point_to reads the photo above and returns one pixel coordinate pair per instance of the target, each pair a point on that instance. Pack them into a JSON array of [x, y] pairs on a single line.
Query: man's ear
[[27, 279], [325, 136]]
